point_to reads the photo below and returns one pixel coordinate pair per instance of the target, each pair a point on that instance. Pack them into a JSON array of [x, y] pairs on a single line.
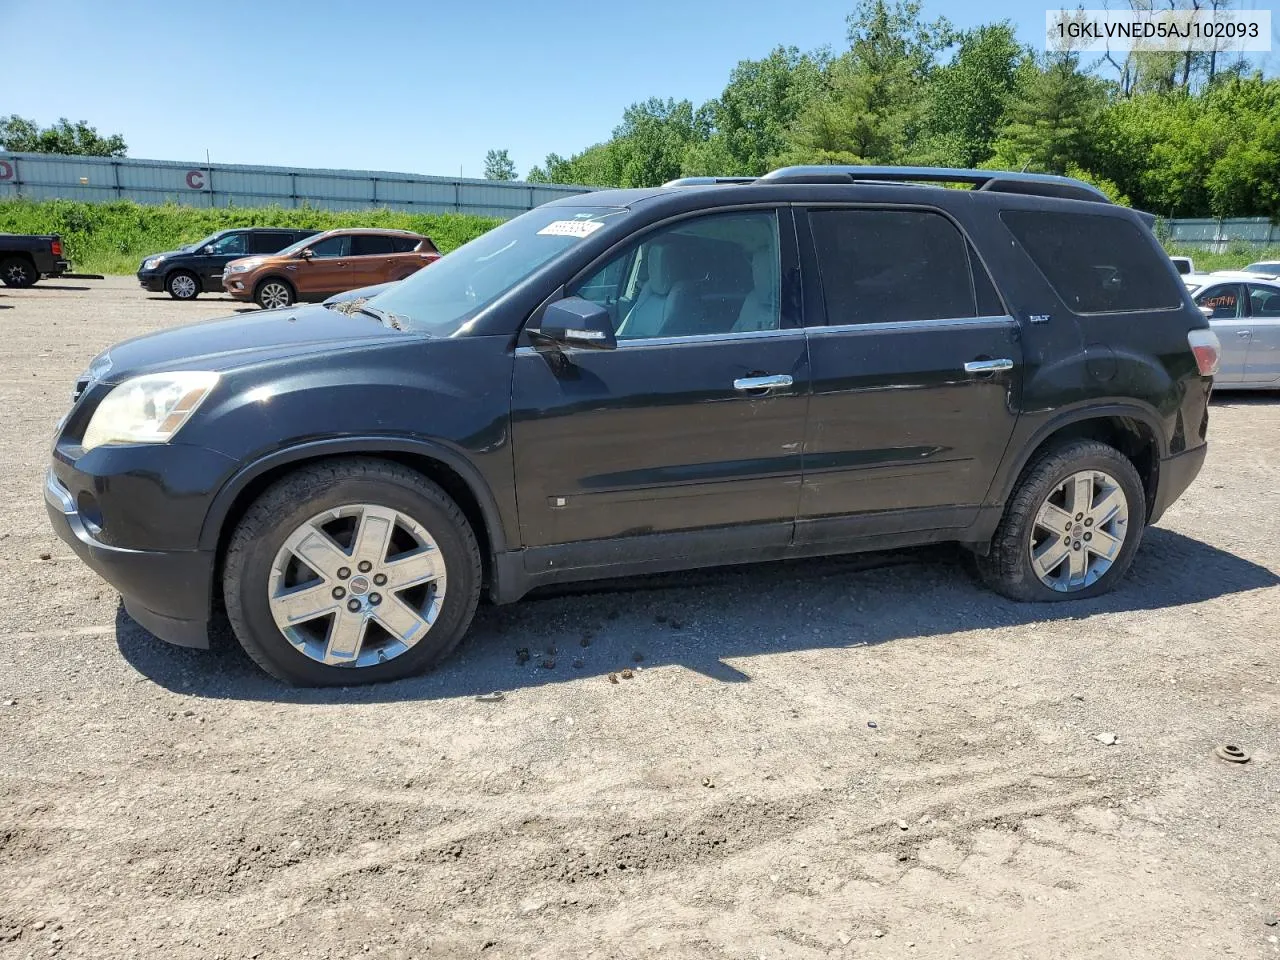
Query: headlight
[[243, 266], [152, 263], [148, 409]]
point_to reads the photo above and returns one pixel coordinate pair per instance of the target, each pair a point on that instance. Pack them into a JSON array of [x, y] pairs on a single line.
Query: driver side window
[[332, 247], [232, 243], [716, 274]]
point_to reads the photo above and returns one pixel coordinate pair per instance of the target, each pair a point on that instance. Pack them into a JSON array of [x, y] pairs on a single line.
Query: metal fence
[[1219, 236], [42, 176]]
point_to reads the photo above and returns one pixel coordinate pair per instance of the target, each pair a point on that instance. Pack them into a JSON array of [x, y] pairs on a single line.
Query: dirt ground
[[847, 758]]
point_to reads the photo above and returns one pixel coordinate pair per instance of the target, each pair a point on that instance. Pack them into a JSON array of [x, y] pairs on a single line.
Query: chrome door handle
[[1243, 334], [988, 366], [762, 383]]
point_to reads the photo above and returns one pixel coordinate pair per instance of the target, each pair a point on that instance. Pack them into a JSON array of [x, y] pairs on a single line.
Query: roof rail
[[996, 181], [704, 181]]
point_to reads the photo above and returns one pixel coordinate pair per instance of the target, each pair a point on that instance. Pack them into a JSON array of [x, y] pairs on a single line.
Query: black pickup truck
[[25, 258]]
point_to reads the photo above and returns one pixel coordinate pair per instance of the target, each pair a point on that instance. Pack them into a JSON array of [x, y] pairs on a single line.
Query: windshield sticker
[[570, 228]]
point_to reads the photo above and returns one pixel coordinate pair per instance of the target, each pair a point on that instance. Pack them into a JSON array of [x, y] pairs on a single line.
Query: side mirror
[[1208, 312], [306, 253], [208, 249], [574, 322]]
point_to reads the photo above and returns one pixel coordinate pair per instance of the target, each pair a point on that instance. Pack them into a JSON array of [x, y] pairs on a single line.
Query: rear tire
[[304, 514], [274, 294], [182, 285], [18, 272], [1072, 527]]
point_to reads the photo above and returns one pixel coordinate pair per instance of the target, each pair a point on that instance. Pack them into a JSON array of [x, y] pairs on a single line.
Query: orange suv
[[328, 263]]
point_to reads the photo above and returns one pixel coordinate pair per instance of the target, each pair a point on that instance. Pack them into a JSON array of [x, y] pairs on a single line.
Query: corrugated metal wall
[[1219, 236], [42, 176]]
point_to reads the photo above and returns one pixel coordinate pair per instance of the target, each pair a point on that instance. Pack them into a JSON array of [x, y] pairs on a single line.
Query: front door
[[210, 265], [915, 377], [327, 271], [1232, 326], [696, 420], [1262, 365]]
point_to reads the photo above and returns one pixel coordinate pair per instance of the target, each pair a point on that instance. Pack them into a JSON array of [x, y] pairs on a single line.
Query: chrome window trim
[[906, 326], [693, 340]]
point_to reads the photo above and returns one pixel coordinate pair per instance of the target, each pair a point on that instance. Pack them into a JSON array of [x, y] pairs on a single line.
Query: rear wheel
[[273, 293], [18, 272], [351, 571], [182, 285], [1071, 528]]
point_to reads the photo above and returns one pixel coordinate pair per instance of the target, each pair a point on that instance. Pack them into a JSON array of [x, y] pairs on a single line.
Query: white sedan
[[1244, 311]]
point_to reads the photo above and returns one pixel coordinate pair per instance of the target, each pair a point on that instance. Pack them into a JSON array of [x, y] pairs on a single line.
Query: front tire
[[1071, 528], [351, 571], [274, 294], [18, 272], [182, 285]]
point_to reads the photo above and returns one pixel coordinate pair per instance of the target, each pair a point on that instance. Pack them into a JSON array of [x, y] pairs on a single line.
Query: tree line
[[1180, 134]]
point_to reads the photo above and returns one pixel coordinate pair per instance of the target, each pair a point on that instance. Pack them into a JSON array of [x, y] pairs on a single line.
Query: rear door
[[916, 372], [1231, 325], [328, 271], [1263, 363], [371, 259]]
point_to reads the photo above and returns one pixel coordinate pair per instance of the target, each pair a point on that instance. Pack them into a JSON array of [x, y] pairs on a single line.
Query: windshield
[[440, 298], [298, 247], [1263, 268]]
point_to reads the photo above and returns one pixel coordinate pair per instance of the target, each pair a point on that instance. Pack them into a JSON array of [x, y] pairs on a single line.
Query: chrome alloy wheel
[[357, 585], [1079, 531], [275, 295], [183, 286]]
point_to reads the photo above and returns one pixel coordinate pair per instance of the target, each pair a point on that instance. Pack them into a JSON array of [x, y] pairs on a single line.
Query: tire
[[1009, 568], [18, 272], [182, 285], [274, 294], [369, 490]]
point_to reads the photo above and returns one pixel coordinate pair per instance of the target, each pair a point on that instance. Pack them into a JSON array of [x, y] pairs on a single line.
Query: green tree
[[968, 97], [498, 166], [1051, 121], [64, 137]]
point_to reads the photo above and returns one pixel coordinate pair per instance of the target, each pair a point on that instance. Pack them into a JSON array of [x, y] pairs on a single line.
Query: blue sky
[[406, 86]]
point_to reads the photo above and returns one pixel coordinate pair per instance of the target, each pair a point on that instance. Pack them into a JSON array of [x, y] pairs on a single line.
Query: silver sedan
[[1244, 311]]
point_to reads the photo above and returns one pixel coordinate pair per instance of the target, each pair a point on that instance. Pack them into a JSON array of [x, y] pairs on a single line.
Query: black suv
[[197, 269], [821, 361]]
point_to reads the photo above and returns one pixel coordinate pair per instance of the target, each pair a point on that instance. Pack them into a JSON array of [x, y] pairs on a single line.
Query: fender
[[211, 531], [1086, 410]]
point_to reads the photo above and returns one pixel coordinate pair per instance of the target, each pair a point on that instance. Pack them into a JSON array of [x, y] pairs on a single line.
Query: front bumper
[[151, 281], [238, 285], [1176, 474], [166, 591]]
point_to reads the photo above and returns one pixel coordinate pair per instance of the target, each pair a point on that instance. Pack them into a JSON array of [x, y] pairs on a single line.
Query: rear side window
[[1264, 301], [1223, 300], [1095, 263], [404, 244], [364, 245], [885, 266], [271, 242]]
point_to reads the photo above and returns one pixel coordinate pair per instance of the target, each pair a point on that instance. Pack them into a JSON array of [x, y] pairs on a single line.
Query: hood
[[236, 341]]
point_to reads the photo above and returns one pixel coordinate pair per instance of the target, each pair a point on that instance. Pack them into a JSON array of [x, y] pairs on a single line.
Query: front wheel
[[18, 272], [182, 285], [1071, 528], [273, 294], [351, 571]]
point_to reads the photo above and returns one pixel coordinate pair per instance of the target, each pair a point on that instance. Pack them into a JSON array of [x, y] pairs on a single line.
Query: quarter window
[[885, 266], [1096, 263], [1225, 301], [711, 275]]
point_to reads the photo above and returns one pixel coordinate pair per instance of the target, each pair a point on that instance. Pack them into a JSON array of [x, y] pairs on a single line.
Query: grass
[[112, 238], [1237, 256]]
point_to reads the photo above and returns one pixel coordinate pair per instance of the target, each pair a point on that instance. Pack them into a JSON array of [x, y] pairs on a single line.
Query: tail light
[[56, 246], [1204, 344]]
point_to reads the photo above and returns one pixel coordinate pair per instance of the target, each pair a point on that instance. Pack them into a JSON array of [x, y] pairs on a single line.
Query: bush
[[114, 237]]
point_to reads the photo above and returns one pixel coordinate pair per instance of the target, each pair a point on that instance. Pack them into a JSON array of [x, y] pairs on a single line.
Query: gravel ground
[[853, 758]]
